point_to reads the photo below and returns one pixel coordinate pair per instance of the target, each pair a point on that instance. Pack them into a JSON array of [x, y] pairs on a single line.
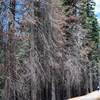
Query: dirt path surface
[[91, 96]]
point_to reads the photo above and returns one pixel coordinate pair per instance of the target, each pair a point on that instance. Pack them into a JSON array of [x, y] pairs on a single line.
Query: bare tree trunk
[[68, 91], [53, 89], [86, 83], [10, 53], [91, 85], [10, 82], [79, 89]]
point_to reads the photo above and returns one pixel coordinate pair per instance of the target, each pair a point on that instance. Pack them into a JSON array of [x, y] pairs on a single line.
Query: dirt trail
[[91, 96]]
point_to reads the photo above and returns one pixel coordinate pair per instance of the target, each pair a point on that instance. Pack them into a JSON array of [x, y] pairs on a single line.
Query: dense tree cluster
[[48, 49]]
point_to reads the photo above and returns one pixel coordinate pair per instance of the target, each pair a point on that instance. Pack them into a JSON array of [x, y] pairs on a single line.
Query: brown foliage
[[73, 19]]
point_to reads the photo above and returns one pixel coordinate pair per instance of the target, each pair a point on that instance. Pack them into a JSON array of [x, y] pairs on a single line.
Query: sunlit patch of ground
[[91, 96]]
